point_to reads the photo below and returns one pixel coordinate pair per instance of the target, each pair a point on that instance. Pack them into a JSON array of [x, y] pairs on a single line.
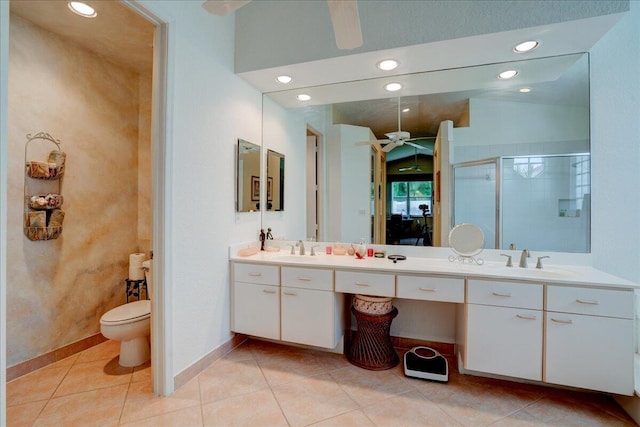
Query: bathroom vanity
[[569, 325]]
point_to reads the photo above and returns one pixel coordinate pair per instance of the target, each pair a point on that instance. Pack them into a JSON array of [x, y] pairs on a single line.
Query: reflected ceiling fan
[[396, 139], [344, 18], [415, 167]]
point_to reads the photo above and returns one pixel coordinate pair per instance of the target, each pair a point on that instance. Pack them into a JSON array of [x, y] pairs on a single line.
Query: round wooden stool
[[371, 347]]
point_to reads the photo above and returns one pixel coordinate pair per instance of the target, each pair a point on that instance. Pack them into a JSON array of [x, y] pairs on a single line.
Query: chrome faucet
[[301, 244], [523, 258]]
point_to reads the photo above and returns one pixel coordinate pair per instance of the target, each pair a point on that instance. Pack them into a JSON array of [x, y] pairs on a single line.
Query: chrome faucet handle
[[509, 263], [313, 252], [539, 263], [512, 247], [293, 248]]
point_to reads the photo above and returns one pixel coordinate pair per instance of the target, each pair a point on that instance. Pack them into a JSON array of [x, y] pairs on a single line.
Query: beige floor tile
[[480, 405], [188, 417], [369, 387], [224, 379], [570, 412], [355, 418], [312, 399], [258, 408], [24, 415], [409, 409], [105, 350], [94, 375], [142, 373], [141, 403], [36, 386], [242, 352], [92, 408], [283, 367]]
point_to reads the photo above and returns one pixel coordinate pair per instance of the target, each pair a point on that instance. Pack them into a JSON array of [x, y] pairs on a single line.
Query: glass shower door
[[476, 198]]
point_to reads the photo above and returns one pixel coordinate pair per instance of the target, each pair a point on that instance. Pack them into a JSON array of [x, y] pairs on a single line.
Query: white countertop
[[437, 263]]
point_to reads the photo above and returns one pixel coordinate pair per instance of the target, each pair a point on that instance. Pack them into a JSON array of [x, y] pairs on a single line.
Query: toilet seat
[[127, 313]]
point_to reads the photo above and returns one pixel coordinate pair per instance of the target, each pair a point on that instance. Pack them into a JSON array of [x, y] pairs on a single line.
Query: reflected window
[[408, 196], [528, 167]]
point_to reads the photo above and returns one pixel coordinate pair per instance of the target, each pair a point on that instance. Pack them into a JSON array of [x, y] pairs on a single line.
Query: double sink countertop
[[567, 269]]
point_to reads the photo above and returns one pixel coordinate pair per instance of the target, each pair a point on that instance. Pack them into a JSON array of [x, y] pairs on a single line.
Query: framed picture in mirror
[[270, 189], [255, 188]]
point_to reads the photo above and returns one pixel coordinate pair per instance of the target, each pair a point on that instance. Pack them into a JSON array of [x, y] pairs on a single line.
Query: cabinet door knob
[[500, 294], [522, 316], [564, 321], [585, 301]]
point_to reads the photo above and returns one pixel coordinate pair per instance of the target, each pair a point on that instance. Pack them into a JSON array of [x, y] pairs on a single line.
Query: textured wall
[[57, 290]]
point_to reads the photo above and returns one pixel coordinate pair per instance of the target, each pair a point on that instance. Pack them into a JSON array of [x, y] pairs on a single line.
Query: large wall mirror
[[275, 181], [247, 177], [532, 131]]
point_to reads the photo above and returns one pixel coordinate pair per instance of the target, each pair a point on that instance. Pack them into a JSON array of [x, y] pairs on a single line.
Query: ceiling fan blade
[[346, 23], [373, 142], [223, 7], [419, 147], [398, 135], [390, 146]]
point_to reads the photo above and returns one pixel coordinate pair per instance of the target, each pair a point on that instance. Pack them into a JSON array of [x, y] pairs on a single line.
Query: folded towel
[[36, 221], [57, 216], [45, 170]]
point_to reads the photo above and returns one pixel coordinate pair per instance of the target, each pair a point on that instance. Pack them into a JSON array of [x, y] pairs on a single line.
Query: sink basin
[[549, 273], [294, 258]]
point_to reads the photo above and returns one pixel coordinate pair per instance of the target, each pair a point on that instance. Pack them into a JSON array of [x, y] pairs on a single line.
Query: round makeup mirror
[[466, 240]]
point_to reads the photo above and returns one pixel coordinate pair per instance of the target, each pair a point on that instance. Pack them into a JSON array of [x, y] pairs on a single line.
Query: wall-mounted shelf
[[42, 202]]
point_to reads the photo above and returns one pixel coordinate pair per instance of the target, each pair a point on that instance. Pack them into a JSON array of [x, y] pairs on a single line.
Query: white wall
[[211, 108], [615, 148], [4, 72]]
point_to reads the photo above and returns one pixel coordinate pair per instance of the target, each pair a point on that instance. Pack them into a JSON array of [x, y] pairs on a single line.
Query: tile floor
[[264, 384]]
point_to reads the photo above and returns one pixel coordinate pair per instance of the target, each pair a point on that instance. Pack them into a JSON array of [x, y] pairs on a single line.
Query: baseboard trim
[[28, 366], [187, 374]]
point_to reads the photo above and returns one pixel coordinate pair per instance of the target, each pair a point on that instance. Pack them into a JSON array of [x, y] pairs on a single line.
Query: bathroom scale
[[426, 363]]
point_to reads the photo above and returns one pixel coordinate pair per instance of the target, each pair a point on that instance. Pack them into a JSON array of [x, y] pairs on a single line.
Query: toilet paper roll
[[136, 272]]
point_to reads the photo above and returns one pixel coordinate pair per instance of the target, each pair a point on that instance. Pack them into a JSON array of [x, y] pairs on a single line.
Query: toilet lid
[[137, 310]]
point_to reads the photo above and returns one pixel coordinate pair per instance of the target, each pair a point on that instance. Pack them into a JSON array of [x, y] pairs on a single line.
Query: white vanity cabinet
[[431, 288], [256, 300], [589, 338], [311, 313], [504, 322], [358, 282]]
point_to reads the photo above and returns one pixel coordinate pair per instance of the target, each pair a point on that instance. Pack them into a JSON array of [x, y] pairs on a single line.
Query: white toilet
[[131, 325]]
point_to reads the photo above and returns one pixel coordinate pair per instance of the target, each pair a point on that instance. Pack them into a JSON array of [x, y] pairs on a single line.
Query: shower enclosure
[[541, 203]]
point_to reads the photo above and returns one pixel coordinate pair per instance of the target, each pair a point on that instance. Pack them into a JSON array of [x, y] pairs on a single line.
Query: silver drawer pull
[[304, 279], [566, 322], [289, 293], [361, 284], [427, 289], [586, 301], [267, 291], [522, 316], [255, 274], [498, 294]]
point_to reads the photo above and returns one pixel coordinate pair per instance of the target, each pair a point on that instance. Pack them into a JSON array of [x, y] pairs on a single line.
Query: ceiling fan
[[396, 139], [415, 167], [344, 18]]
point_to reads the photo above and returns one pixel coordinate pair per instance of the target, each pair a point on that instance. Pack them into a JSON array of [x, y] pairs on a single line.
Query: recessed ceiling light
[[284, 79], [303, 97], [82, 9], [527, 46], [506, 75], [406, 110], [392, 87], [525, 90], [388, 64]]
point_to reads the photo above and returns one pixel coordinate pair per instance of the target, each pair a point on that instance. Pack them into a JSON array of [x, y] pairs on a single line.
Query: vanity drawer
[[597, 302], [307, 278], [256, 273], [352, 282], [445, 289], [505, 294]]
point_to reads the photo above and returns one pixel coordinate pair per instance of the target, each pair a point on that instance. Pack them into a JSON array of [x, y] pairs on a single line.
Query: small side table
[[134, 288], [371, 347]]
